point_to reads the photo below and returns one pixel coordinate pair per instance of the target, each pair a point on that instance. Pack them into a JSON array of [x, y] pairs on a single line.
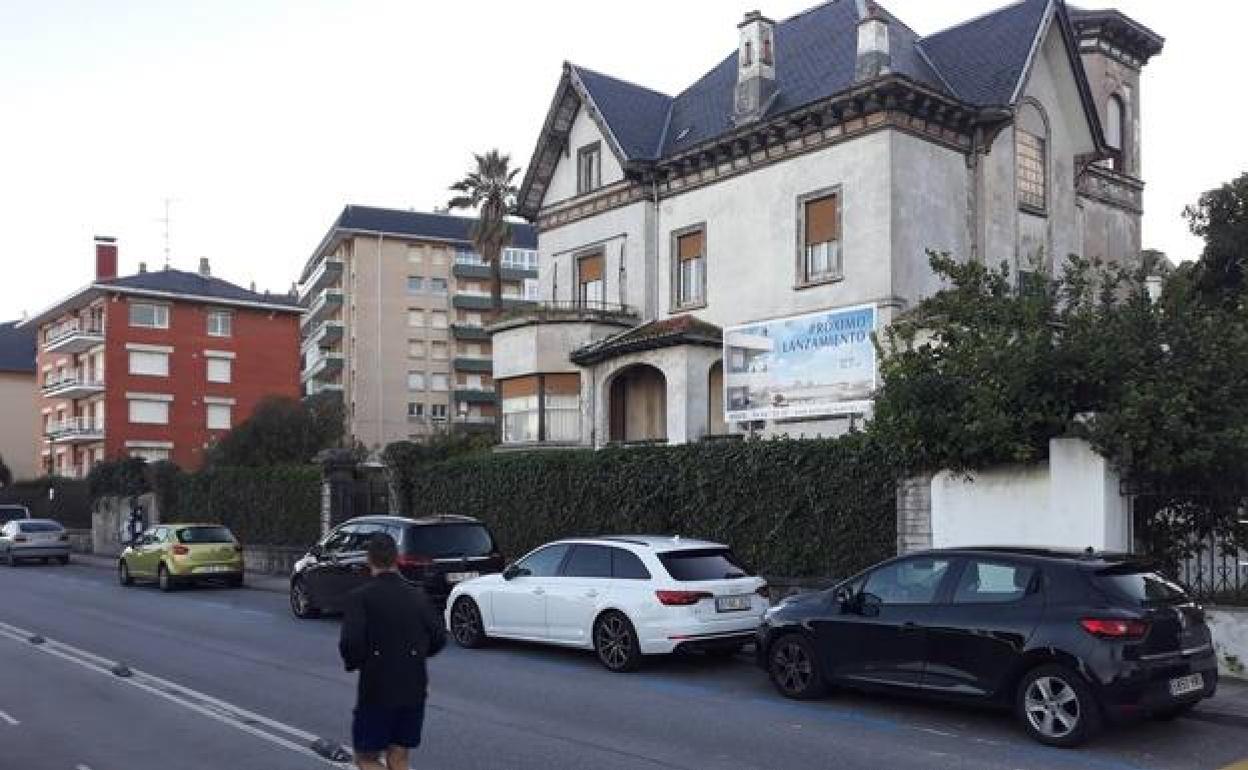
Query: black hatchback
[[435, 553], [1067, 640]]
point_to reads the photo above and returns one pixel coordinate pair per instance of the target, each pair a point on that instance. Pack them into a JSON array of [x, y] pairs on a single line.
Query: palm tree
[[490, 189]]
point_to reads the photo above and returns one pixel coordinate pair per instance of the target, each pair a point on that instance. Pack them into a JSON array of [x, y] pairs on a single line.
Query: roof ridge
[[631, 83], [974, 19]]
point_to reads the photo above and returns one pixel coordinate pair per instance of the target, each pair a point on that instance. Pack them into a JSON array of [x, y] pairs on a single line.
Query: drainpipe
[[652, 280], [381, 380]]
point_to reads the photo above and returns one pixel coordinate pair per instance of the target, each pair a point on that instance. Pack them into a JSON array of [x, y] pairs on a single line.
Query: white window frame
[[218, 329], [219, 416], [416, 382], [148, 408], [439, 378], [160, 315], [437, 319], [220, 369], [147, 362], [438, 412]]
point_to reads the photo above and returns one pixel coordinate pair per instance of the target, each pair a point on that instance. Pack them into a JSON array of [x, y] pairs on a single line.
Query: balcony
[[322, 365], [472, 364], [323, 335], [73, 337], [327, 273], [317, 387], [482, 272], [73, 386], [327, 302], [475, 395], [483, 301], [564, 311], [75, 430], [469, 332]]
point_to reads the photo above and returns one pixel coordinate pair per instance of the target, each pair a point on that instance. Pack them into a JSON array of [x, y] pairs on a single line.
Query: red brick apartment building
[[156, 365]]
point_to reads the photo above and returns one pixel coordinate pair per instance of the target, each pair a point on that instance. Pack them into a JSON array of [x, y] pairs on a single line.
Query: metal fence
[[1217, 573]]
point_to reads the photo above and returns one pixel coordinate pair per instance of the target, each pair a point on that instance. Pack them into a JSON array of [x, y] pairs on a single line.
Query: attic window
[[766, 57], [589, 168]]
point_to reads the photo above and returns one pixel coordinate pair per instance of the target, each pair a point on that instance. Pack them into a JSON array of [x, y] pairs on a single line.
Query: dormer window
[[589, 168], [766, 50], [747, 54]]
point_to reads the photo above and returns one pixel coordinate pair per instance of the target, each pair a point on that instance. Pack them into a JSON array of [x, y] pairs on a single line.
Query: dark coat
[[388, 630]]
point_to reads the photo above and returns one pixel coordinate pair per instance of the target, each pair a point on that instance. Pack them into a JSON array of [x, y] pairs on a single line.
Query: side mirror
[[317, 551], [869, 605], [843, 598], [512, 572]]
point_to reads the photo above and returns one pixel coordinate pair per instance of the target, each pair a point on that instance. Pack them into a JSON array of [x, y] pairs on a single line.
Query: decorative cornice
[[1111, 188]]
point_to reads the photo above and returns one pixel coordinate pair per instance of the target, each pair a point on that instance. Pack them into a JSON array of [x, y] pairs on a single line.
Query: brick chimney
[[874, 55], [105, 257], [756, 68], [204, 270]]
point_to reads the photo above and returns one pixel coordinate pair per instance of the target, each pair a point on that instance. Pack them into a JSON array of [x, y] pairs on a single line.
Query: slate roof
[[17, 348], [664, 333], [193, 284], [979, 62], [442, 227]]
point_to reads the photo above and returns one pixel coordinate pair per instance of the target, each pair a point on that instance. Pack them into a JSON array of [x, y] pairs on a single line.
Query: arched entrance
[[638, 404]]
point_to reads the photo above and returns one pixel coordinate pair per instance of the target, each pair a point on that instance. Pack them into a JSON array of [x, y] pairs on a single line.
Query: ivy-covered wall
[[262, 506], [821, 508]]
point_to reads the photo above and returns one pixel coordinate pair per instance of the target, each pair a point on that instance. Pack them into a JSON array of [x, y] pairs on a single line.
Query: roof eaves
[[918, 46], [544, 137], [1042, 31], [597, 115], [279, 307]]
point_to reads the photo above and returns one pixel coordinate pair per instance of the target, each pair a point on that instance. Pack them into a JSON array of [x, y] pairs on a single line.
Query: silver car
[[33, 539]]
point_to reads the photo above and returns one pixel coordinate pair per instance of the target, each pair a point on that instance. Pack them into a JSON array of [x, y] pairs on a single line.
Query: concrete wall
[[929, 212], [584, 131], [686, 370], [1073, 501], [621, 234], [19, 416], [1230, 639]]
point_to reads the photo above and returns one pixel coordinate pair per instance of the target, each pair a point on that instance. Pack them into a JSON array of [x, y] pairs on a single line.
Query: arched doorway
[[715, 425], [638, 405]]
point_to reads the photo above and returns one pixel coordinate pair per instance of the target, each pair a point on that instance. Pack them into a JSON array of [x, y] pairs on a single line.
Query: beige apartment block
[[20, 422], [396, 308]]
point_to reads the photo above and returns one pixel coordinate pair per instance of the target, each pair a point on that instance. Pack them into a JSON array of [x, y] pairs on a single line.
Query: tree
[[1220, 217], [489, 189], [6, 475], [282, 431]]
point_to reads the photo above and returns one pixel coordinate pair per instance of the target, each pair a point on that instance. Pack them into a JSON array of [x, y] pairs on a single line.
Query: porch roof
[[652, 335]]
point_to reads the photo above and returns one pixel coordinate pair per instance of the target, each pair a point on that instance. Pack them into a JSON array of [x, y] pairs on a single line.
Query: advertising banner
[[810, 365]]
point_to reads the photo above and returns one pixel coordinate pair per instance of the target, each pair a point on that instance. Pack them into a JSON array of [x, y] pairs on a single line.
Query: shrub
[[271, 506]]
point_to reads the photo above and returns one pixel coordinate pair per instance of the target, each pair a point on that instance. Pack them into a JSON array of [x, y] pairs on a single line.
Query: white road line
[[10, 720], [81, 767], [208, 706]]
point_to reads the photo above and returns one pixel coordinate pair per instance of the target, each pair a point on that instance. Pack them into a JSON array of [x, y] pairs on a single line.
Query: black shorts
[[377, 728]]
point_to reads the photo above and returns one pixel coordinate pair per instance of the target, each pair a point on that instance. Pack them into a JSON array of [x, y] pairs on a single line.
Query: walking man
[[388, 630]]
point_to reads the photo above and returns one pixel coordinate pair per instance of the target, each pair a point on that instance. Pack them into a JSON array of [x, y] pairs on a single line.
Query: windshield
[[40, 526], [705, 564], [11, 512], [444, 540], [1140, 585], [194, 535]]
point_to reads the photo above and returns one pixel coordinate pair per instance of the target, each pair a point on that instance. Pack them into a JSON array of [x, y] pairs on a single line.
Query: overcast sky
[[261, 119]]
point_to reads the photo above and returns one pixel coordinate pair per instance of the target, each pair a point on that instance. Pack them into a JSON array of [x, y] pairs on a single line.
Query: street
[[223, 678]]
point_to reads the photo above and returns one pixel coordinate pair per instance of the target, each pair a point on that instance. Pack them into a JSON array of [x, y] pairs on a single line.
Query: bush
[[824, 508], [271, 506]]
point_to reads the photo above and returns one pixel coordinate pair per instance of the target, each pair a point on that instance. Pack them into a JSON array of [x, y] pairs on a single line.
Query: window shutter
[[821, 216], [563, 384], [519, 387], [590, 268], [690, 246]]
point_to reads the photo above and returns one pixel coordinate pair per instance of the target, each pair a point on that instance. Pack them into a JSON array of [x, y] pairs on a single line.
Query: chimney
[[874, 58], [253, 287], [756, 68], [204, 270], [142, 267], [105, 257]]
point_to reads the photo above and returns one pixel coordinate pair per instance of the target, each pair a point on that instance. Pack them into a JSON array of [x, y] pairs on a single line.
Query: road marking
[[201, 703], [10, 720], [934, 731], [81, 767]]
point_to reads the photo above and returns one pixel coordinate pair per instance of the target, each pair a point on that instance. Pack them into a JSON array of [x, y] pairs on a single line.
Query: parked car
[[9, 512], [179, 554], [24, 539], [435, 553], [623, 597], [1068, 640]]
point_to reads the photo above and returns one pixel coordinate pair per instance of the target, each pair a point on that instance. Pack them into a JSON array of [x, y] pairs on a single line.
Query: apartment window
[[819, 224], [520, 259], [415, 255], [220, 323], [439, 257], [589, 168], [439, 383], [522, 417], [437, 412], [220, 369], [562, 393], [520, 410], [532, 289], [415, 349], [437, 286], [150, 453], [468, 257], [149, 316], [219, 416], [149, 412], [149, 363], [472, 381], [416, 381], [415, 284], [438, 350], [512, 290], [415, 410], [591, 288], [472, 350], [1115, 131], [438, 319], [415, 318], [690, 273], [1032, 182], [472, 319]]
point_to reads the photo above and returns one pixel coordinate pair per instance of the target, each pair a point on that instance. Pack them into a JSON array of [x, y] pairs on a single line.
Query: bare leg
[[396, 758], [369, 761]]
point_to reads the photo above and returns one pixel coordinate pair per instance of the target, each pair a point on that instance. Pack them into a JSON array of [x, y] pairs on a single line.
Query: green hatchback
[[178, 554]]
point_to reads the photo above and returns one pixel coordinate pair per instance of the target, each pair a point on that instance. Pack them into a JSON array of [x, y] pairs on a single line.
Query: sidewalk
[[262, 582], [1228, 707]]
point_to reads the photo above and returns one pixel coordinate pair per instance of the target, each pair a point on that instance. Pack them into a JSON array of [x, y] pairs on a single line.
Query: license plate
[[215, 568], [459, 577], [732, 603], [1185, 685]]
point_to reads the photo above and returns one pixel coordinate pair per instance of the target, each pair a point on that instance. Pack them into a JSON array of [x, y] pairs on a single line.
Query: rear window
[[193, 535], [704, 564], [1139, 585], [11, 512], [40, 526], [445, 540]]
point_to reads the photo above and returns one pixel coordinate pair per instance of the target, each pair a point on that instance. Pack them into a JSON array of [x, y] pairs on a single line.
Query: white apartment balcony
[[327, 273], [327, 302], [73, 337], [73, 386], [314, 387], [324, 334], [76, 430], [323, 364]]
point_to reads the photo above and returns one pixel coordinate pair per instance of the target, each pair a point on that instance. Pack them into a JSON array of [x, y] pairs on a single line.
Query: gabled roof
[[636, 115], [984, 59], [17, 348], [663, 333]]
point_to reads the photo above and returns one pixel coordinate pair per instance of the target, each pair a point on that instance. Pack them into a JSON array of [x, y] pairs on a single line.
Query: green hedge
[[270, 506], [822, 508], [71, 506]]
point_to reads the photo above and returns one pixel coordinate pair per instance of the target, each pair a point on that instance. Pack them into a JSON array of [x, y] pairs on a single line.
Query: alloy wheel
[[466, 624], [1052, 707], [614, 642], [792, 667], [123, 574], [300, 604]]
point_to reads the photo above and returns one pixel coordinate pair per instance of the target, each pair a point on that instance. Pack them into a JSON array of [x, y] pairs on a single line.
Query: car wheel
[[234, 582], [163, 579], [1173, 712], [616, 643], [793, 666], [1056, 707], [301, 602], [123, 573], [466, 625]]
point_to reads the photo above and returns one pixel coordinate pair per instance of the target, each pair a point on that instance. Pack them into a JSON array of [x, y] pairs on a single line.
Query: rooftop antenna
[[165, 221]]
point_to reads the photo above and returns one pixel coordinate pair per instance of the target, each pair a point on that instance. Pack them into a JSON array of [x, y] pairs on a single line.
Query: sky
[[259, 120]]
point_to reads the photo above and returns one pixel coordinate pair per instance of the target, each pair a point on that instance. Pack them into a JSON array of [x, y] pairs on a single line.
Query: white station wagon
[[623, 597]]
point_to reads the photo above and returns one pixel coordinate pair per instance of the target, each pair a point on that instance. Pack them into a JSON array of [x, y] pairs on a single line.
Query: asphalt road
[[225, 678]]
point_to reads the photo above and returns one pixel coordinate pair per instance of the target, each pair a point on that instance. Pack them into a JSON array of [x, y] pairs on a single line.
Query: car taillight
[[180, 550], [682, 598], [410, 560], [764, 592], [1111, 628], [20, 539]]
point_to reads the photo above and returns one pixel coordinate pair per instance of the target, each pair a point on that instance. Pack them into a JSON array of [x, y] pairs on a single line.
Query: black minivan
[[1068, 640], [435, 553]]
